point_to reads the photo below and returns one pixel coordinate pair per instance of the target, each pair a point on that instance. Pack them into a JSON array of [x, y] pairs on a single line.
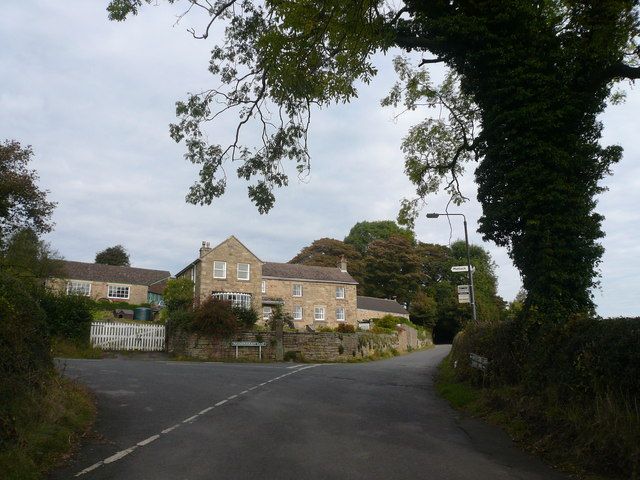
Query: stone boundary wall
[[298, 346]]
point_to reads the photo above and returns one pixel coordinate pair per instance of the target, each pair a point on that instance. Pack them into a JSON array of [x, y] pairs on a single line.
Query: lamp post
[[472, 295]]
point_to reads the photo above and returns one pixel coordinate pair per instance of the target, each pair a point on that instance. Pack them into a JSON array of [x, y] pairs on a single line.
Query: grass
[[48, 428], [570, 438], [65, 348]]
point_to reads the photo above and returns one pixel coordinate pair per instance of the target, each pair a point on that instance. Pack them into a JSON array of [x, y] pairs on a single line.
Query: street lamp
[[472, 295]]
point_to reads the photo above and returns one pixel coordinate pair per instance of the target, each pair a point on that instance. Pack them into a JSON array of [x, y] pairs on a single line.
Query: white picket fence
[[127, 336]]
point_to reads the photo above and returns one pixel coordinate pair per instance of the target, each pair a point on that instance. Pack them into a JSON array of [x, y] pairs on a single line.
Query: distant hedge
[[68, 316]]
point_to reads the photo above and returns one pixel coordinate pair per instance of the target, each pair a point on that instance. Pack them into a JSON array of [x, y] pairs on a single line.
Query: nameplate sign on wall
[[248, 344]]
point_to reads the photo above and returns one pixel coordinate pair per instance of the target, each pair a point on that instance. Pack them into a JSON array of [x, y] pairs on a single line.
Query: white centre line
[[123, 453]]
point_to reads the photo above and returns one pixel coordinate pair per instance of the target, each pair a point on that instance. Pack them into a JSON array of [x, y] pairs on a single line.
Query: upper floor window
[[297, 290], [263, 287], [318, 314], [339, 292], [219, 269], [79, 288], [244, 271], [297, 312], [340, 314], [118, 291]]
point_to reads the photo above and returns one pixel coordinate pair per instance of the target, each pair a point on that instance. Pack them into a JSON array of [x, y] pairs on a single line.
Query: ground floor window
[[237, 299], [297, 312], [266, 313], [318, 314], [340, 314], [79, 288], [118, 291]]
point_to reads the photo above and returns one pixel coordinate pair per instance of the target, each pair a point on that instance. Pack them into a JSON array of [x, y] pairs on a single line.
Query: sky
[[94, 99]]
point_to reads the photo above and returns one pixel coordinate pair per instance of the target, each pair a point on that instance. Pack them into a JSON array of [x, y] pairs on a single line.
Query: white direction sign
[[462, 268], [463, 289], [464, 298]]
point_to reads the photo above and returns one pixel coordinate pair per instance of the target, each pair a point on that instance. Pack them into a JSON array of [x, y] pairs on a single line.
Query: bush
[[178, 294], [68, 316], [246, 317], [25, 360], [214, 317], [345, 328]]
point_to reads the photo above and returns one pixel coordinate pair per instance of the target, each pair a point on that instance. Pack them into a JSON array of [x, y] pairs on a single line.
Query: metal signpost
[[469, 269], [250, 344]]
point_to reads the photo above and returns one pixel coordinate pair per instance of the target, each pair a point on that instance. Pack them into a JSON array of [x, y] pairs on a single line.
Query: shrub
[[68, 316], [178, 294], [324, 329], [246, 317], [214, 317], [345, 328]]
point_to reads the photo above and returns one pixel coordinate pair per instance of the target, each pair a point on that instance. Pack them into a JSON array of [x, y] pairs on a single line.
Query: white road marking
[[147, 441], [88, 469], [123, 453]]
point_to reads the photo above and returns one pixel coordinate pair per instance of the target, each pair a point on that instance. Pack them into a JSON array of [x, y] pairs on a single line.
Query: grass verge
[[564, 438], [65, 348], [48, 429]]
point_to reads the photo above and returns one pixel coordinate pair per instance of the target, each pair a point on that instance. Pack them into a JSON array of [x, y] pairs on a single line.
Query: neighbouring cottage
[[371, 307], [314, 296], [118, 284]]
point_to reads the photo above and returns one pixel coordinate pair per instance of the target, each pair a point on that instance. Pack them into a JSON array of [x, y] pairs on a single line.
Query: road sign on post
[[464, 298], [463, 289], [462, 269]]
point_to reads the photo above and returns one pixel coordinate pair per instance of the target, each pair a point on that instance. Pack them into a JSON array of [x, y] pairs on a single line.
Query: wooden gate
[[127, 336]]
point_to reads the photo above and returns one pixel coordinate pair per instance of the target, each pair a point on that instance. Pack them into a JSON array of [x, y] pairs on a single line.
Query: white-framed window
[[266, 313], [244, 271], [263, 287], [237, 299], [118, 291], [297, 290], [297, 312], [318, 314], [339, 292], [340, 314], [219, 269], [75, 287]]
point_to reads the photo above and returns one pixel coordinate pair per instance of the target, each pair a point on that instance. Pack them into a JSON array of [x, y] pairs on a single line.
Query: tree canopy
[[363, 233], [116, 255], [526, 85], [23, 205]]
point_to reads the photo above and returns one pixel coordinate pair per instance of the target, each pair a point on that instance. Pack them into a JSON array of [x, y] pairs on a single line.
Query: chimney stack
[[205, 248], [343, 264]]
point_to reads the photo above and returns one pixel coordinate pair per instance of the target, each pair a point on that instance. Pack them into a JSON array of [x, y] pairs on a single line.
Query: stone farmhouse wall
[[298, 346], [137, 293], [314, 294]]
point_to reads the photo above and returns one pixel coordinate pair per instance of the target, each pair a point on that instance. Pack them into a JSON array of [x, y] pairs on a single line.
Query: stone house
[[371, 307], [109, 282], [314, 296]]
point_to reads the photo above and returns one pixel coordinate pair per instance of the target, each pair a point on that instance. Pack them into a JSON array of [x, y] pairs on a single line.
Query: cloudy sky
[[94, 98]]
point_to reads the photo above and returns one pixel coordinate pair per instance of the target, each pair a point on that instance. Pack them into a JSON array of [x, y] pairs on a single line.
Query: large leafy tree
[[528, 80], [363, 233], [23, 205], [116, 255]]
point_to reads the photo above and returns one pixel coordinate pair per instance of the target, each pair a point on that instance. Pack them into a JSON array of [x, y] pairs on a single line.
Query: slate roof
[[158, 287], [294, 271], [381, 305], [110, 273]]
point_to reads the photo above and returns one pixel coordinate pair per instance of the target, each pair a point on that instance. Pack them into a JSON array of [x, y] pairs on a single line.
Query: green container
[[142, 313]]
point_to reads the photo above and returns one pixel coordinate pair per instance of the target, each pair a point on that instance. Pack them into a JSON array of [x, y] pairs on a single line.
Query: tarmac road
[[380, 420]]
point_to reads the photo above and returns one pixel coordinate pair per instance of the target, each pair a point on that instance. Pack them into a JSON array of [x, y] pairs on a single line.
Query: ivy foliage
[[527, 83]]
